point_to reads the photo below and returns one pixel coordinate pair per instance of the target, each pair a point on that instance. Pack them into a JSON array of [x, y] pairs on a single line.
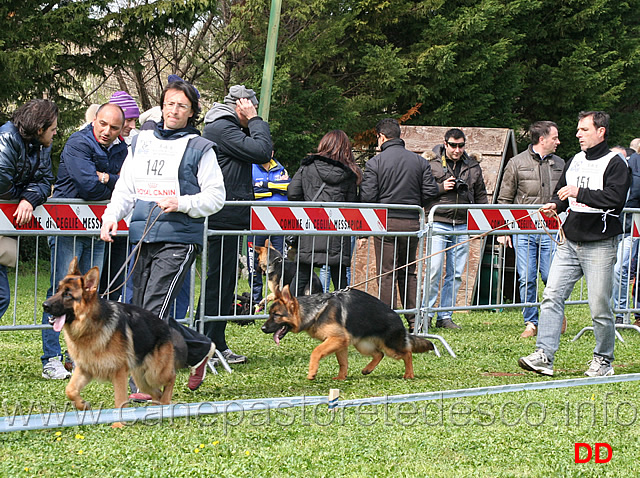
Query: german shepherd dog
[[278, 269], [339, 319], [110, 340]]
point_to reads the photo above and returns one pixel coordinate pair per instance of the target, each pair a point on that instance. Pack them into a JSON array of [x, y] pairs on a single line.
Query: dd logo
[[598, 447]]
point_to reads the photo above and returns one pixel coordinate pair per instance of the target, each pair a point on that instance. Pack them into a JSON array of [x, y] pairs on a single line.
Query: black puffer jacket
[[25, 169], [341, 186]]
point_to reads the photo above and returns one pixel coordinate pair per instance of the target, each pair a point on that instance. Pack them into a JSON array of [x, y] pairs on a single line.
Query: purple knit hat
[[127, 103]]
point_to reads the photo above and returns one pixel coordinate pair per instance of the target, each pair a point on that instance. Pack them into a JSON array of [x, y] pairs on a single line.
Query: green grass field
[[511, 434]]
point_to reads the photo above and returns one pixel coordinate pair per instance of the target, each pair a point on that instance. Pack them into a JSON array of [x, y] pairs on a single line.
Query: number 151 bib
[[589, 174]]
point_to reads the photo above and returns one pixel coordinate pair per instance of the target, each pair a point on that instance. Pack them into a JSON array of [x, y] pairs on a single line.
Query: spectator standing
[[593, 187], [460, 181], [131, 114], [25, 166], [530, 178], [243, 139], [89, 167], [116, 253], [397, 176], [628, 247], [330, 175]]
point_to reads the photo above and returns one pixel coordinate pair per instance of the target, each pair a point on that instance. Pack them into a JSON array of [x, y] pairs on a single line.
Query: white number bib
[[588, 174], [156, 164]]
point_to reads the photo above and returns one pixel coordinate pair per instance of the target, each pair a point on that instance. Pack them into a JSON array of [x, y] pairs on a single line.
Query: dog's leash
[[560, 241], [135, 250]]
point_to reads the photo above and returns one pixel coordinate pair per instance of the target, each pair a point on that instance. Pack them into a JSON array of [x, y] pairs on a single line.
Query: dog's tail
[[419, 345]]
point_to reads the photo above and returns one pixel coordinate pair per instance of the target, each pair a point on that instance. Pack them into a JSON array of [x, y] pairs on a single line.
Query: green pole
[[269, 60]]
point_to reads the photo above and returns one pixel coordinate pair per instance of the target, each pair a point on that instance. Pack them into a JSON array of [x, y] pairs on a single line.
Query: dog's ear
[[73, 267], [258, 249], [92, 280], [267, 243], [286, 293]]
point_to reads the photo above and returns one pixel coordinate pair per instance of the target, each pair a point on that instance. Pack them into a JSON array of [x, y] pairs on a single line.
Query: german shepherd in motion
[[339, 319], [278, 269], [110, 340]]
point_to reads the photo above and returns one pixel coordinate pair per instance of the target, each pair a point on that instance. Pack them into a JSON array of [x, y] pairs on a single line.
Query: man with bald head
[[90, 165]]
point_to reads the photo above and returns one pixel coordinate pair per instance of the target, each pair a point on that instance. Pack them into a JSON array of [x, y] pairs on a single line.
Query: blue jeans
[[533, 253], [456, 260], [621, 272], [63, 249], [595, 261], [5, 292], [325, 272]]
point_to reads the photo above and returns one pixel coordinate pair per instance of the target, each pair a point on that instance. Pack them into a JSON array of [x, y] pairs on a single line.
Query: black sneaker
[[447, 324], [232, 358]]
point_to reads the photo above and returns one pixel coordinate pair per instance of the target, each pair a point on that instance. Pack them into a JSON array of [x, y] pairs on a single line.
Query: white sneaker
[[54, 370], [599, 368], [537, 362]]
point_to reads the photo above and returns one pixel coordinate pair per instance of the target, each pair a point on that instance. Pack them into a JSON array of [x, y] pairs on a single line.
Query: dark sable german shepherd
[[110, 340], [342, 318], [278, 269]]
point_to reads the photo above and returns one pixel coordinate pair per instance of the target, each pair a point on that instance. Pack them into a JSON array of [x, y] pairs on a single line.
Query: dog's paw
[[311, 377], [82, 405], [408, 375], [340, 377], [117, 425]]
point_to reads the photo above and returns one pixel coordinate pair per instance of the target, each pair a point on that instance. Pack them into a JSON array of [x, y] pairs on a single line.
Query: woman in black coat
[[330, 175]]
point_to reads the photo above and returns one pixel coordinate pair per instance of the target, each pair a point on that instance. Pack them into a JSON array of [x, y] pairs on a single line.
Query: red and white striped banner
[[58, 217], [635, 228], [290, 218], [511, 219]]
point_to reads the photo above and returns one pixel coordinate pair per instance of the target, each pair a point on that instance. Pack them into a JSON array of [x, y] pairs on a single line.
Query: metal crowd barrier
[[81, 219], [304, 219], [490, 280], [56, 218]]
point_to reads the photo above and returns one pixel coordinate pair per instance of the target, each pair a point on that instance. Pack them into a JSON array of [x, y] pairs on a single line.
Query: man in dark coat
[[397, 176], [243, 139]]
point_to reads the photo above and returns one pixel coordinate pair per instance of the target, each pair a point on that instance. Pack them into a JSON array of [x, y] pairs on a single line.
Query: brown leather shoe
[[530, 330], [564, 325]]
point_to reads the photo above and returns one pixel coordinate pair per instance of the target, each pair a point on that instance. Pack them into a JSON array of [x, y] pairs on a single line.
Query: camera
[[460, 186]]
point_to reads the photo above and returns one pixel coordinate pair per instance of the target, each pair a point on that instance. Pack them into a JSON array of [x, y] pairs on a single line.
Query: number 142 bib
[[156, 164]]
